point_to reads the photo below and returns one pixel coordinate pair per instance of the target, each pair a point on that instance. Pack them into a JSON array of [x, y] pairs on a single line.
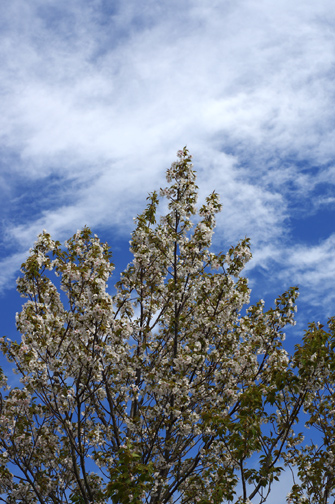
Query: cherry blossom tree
[[174, 389]]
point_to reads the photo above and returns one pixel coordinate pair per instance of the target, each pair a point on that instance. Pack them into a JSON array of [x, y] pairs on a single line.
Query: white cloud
[[103, 100], [310, 267], [8, 267]]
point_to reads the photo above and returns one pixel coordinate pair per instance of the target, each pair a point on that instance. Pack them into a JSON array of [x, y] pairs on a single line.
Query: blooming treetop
[[166, 392]]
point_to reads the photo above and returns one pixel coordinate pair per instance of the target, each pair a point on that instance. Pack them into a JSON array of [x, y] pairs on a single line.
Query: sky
[[97, 96]]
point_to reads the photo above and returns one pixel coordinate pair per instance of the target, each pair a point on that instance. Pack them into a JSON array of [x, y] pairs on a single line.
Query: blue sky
[[97, 97]]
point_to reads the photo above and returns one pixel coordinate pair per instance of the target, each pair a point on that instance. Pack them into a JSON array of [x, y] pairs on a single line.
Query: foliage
[[129, 479], [316, 465], [172, 390]]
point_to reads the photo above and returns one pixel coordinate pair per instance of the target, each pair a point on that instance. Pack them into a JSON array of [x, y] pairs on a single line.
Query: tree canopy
[[172, 390]]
